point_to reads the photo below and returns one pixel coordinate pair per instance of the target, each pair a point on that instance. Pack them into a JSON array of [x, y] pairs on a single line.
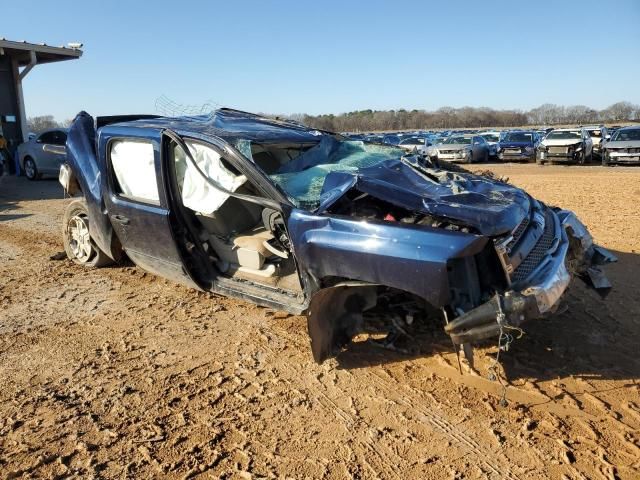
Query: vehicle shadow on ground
[[17, 189], [588, 337], [14, 216]]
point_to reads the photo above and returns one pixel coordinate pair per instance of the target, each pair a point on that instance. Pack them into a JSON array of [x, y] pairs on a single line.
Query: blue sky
[[329, 56]]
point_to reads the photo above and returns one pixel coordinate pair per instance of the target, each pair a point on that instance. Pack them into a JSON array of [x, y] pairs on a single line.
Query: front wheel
[[76, 237], [30, 169]]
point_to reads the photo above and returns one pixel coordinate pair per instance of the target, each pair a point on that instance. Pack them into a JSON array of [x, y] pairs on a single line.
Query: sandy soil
[[115, 373]]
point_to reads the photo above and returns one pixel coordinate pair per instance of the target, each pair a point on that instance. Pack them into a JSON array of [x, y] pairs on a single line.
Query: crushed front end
[[539, 258]]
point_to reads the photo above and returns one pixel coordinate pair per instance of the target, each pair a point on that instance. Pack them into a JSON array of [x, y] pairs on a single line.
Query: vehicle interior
[[244, 240]]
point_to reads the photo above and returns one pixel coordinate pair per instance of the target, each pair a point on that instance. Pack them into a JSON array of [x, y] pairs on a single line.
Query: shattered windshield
[[301, 173]]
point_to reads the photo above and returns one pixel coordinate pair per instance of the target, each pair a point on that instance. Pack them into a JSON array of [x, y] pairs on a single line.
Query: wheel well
[[345, 308]]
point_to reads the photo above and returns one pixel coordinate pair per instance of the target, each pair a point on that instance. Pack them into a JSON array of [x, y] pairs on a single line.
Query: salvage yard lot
[[117, 373]]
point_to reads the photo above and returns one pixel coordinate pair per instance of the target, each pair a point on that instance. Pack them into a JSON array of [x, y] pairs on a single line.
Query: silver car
[[598, 134], [43, 154], [466, 148], [420, 144], [623, 148]]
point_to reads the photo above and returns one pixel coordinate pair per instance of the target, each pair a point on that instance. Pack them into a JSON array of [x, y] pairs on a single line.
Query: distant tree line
[[444, 117], [468, 117], [45, 122]]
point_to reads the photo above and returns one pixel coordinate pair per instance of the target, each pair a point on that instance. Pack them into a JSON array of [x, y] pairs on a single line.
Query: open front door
[[138, 207]]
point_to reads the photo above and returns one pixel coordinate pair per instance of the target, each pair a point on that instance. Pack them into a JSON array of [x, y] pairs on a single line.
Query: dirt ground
[[115, 373]]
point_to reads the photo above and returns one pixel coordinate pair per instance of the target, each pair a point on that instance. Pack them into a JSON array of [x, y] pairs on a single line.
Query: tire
[[582, 159], [76, 237], [589, 159], [469, 159], [30, 169]]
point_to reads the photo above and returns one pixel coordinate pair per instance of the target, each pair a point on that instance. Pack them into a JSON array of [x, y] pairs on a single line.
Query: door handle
[[56, 149], [121, 219]]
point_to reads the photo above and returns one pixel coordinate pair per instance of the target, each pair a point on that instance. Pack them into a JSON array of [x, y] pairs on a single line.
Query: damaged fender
[[82, 158], [405, 257]]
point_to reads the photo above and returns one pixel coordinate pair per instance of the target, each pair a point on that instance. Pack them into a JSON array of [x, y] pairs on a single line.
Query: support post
[[18, 77]]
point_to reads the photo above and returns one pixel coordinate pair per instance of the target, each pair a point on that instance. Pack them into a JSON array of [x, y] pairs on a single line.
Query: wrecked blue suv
[[361, 237]]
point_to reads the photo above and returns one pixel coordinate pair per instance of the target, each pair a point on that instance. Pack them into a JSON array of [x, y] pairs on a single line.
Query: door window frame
[[234, 159], [112, 180]]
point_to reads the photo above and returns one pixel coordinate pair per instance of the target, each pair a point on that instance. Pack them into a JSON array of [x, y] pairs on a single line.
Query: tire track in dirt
[[437, 422]]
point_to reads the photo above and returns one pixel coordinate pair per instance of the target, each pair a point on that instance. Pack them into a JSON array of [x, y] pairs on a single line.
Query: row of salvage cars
[[359, 237], [577, 145], [585, 144]]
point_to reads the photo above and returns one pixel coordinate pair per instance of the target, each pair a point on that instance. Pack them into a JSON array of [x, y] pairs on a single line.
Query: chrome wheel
[[79, 238]]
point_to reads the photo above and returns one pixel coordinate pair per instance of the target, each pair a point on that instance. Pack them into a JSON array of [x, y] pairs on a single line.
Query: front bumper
[[517, 157], [559, 157], [462, 156], [629, 158], [572, 252]]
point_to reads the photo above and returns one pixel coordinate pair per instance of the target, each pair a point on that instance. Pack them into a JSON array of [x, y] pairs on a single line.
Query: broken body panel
[[476, 247]]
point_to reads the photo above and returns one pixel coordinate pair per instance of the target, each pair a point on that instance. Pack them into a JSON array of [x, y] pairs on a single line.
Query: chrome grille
[[536, 255], [518, 232]]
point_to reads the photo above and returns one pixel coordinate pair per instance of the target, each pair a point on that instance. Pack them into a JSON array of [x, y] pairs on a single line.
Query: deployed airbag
[[133, 165], [197, 193]]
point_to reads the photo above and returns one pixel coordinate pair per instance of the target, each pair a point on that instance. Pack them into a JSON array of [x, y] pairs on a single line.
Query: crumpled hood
[[489, 206]]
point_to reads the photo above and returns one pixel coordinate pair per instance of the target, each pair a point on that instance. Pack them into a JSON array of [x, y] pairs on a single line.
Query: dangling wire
[[504, 342]]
